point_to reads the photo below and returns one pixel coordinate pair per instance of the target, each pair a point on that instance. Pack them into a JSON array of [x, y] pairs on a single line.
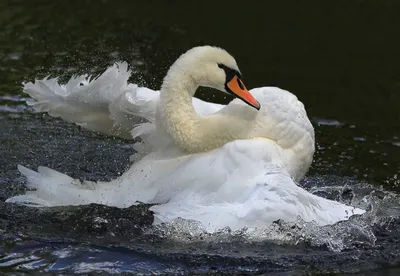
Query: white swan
[[230, 165]]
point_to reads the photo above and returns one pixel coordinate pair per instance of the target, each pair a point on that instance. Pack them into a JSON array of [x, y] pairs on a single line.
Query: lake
[[340, 58]]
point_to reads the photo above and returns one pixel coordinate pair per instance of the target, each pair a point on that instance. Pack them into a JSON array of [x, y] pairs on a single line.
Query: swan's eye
[[220, 65]]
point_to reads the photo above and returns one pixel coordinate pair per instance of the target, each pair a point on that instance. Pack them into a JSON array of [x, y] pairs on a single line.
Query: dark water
[[341, 58]]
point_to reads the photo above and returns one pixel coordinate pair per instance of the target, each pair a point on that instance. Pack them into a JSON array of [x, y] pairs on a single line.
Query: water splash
[[383, 207]]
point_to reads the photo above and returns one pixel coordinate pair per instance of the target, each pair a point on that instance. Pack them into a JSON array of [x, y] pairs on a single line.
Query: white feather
[[244, 183]]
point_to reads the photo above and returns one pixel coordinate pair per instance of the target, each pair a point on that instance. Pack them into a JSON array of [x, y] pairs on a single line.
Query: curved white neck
[[191, 132]]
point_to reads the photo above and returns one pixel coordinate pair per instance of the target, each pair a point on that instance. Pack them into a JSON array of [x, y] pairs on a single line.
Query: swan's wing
[[107, 104], [88, 102], [279, 105], [284, 117], [246, 185]]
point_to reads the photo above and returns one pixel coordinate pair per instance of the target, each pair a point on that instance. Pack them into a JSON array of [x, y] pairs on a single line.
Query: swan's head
[[214, 67]]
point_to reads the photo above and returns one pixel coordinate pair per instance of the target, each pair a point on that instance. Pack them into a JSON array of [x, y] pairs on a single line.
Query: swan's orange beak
[[237, 88]]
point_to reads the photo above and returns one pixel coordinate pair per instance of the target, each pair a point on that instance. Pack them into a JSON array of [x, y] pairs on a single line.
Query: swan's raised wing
[[84, 101], [106, 104]]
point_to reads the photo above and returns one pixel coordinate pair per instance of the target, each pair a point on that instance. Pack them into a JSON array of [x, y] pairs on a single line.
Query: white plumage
[[245, 182]]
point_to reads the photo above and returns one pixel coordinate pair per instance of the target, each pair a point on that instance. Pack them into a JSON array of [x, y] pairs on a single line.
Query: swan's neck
[[191, 132]]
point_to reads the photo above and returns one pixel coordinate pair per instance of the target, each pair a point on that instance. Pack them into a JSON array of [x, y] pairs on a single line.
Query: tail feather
[[52, 188], [50, 173], [29, 199], [32, 177]]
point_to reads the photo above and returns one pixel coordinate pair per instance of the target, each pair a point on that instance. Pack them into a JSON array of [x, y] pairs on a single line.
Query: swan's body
[[222, 165]]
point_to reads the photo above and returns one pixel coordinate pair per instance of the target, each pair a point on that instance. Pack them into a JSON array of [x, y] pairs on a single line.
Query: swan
[[234, 165]]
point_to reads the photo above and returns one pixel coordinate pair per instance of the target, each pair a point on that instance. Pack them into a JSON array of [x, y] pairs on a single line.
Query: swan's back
[[283, 119]]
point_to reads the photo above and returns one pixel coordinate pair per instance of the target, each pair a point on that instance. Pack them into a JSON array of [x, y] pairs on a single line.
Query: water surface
[[340, 59]]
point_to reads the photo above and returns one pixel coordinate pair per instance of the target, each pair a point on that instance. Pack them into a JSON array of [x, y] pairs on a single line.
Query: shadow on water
[[341, 60]]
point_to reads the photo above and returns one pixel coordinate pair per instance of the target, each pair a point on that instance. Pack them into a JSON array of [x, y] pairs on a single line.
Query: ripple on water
[[13, 56], [12, 104], [396, 143], [69, 240], [327, 122]]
